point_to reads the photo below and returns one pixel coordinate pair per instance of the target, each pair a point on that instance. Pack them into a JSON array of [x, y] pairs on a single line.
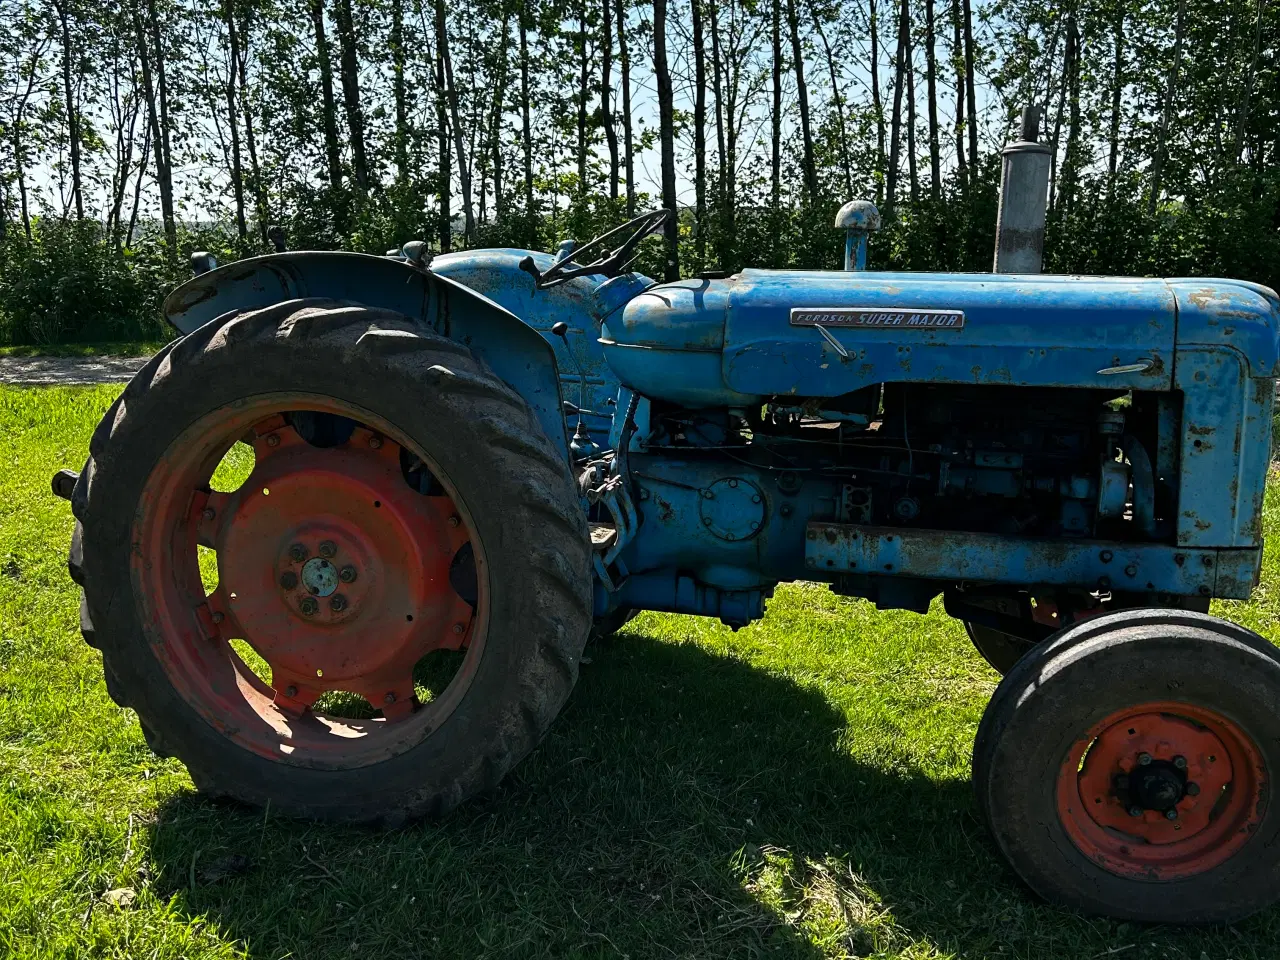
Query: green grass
[[797, 789], [128, 348]]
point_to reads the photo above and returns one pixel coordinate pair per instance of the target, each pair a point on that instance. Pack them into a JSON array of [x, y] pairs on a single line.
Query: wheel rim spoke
[[335, 566]]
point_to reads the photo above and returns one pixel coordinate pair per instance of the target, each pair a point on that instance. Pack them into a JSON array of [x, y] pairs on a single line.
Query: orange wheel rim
[[1161, 791], [331, 567]]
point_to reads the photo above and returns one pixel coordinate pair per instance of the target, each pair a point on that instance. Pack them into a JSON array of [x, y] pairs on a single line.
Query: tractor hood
[[770, 333]]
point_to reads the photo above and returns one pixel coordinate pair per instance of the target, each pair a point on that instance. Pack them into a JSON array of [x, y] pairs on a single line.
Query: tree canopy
[[132, 131]]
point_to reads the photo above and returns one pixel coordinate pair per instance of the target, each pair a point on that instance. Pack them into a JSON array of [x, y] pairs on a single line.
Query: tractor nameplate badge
[[870, 317]]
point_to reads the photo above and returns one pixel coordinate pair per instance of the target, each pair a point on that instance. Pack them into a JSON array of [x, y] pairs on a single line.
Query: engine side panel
[[1226, 448], [1028, 331]]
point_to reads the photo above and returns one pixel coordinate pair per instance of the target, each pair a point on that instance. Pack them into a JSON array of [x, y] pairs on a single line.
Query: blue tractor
[[456, 469]]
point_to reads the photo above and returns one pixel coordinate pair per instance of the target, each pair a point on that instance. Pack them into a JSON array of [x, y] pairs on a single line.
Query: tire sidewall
[[506, 678]]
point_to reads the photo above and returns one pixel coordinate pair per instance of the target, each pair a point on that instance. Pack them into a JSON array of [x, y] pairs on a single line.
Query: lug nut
[[291, 691], [459, 628], [328, 548], [288, 580], [347, 574], [1180, 762], [208, 513], [297, 553], [1135, 811], [273, 440], [1193, 789], [1144, 759], [218, 616], [337, 603], [375, 443], [454, 520], [389, 699], [308, 606], [1171, 814]]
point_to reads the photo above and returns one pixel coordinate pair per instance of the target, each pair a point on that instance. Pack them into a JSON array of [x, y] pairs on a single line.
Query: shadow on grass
[[684, 805]]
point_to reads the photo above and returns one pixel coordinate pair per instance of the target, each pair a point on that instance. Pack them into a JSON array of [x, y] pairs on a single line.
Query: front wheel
[[1124, 768], [383, 615]]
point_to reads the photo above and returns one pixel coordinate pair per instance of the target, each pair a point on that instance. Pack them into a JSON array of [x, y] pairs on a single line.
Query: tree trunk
[[727, 172], [19, 149], [957, 62], [895, 124], [846, 164], [401, 141], [125, 138], [1055, 139], [699, 137], [1117, 86], [912, 171], [802, 96], [583, 88], [624, 59], [526, 140], [329, 110], [250, 139], [455, 121], [606, 93], [495, 125], [442, 133], [233, 126], [1071, 161], [137, 186], [1242, 112], [666, 134], [877, 103], [968, 84], [1166, 114], [158, 113], [775, 135], [349, 60], [73, 117], [931, 80]]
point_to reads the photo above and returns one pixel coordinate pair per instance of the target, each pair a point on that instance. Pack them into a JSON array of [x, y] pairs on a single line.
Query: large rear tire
[[1124, 768], [438, 498]]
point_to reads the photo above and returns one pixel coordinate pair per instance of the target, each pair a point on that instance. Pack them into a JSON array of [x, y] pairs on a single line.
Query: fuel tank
[[762, 333]]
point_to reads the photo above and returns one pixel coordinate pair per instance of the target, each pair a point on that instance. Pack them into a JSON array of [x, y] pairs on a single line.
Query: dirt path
[[67, 370]]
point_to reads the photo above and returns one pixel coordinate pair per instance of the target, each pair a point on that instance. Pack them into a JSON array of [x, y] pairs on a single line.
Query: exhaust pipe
[[1024, 192]]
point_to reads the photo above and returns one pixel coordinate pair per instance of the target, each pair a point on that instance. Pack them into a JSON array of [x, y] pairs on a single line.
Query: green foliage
[[69, 282], [400, 148]]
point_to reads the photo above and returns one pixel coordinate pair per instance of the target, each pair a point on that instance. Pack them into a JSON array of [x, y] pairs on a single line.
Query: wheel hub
[[1157, 786], [334, 570], [319, 577], [1160, 792]]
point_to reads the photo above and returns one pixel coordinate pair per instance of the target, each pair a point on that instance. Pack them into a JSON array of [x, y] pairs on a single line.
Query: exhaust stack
[[1024, 191]]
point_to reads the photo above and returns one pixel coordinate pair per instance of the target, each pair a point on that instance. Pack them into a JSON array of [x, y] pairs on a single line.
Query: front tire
[[1124, 768], [430, 504]]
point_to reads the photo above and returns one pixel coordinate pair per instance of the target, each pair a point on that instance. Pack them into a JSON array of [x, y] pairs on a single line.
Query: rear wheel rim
[[1161, 791], [331, 567]]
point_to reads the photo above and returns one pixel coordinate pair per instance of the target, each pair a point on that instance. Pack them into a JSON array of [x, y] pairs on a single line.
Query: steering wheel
[[610, 262]]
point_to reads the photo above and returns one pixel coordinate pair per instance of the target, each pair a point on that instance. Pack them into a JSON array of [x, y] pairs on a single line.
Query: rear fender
[[511, 348]]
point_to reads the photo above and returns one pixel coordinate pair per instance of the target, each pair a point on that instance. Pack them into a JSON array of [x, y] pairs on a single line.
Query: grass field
[[797, 789]]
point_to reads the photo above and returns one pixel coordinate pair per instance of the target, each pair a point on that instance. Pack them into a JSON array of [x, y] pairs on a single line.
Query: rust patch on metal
[[666, 512]]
